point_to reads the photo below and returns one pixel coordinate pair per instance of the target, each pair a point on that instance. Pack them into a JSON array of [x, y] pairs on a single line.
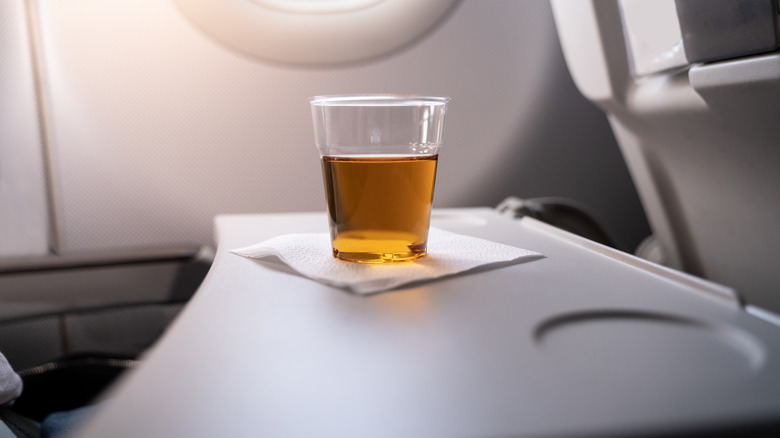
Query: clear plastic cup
[[379, 155]]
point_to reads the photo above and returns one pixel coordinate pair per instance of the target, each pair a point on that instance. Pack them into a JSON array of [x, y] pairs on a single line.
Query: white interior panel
[[156, 127], [23, 209]]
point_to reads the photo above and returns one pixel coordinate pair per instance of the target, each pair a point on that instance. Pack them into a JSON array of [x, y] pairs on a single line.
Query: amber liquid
[[379, 206]]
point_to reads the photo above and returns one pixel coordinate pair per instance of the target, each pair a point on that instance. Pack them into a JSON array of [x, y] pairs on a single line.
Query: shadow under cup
[[379, 155]]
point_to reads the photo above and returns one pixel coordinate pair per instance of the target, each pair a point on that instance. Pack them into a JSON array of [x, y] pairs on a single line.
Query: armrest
[[35, 286]]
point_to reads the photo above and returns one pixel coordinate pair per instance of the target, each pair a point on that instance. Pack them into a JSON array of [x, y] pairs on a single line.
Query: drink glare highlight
[[379, 206]]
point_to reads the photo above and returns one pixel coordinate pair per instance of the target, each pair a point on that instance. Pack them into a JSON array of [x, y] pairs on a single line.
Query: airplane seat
[[72, 318], [71, 324], [691, 89], [564, 213], [56, 299], [116, 144]]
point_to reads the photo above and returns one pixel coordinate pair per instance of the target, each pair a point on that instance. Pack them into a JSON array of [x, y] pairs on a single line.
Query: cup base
[[379, 246], [377, 258]]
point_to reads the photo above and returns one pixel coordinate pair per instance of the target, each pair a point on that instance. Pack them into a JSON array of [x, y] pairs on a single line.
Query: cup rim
[[377, 100]]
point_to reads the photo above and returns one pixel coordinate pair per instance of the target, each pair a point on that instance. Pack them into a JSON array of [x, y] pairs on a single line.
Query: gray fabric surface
[[10, 382]]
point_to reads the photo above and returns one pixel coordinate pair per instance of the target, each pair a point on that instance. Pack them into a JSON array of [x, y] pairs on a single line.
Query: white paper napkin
[[449, 253]]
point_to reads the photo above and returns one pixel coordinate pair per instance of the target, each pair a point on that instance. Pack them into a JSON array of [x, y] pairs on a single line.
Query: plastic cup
[[379, 155]]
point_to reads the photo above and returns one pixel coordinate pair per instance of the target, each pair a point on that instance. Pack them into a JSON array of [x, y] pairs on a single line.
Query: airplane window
[[317, 6], [312, 31]]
